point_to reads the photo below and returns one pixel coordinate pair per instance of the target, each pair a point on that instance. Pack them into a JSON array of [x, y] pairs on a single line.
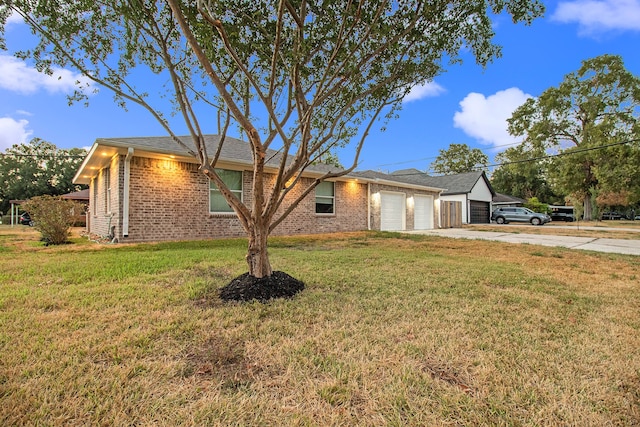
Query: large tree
[[588, 119], [459, 158], [522, 172], [301, 76], [35, 169]]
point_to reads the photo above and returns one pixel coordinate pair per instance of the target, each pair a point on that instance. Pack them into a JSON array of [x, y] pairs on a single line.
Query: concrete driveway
[[618, 246]]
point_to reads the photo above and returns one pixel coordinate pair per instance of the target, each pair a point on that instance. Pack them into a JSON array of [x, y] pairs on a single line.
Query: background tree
[[459, 158], [587, 118], [618, 171], [303, 77], [37, 168], [522, 173]]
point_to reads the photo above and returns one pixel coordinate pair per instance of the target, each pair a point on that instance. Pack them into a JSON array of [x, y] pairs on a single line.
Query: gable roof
[[234, 152], [461, 183]]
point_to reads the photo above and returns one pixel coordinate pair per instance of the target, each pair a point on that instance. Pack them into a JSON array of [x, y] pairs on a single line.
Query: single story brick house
[[150, 189]]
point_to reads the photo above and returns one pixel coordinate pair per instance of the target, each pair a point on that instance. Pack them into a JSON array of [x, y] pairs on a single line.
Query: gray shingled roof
[[237, 151], [461, 183], [233, 149], [505, 198], [454, 184]]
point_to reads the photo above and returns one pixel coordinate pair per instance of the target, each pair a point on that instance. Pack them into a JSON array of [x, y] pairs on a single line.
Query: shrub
[[535, 205], [52, 217]]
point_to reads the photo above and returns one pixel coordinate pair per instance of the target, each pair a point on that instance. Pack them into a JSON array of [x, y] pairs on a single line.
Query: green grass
[[390, 330]]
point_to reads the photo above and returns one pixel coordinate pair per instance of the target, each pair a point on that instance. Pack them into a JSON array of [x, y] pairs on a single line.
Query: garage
[[392, 211], [480, 212], [423, 212]]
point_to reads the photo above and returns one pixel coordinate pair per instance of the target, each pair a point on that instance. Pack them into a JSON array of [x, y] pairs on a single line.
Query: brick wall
[[350, 211], [410, 218], [104, 199], [170, 200]]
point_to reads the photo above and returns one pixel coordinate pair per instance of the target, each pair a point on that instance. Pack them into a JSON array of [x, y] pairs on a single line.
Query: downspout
[[439, 211], [368, 206], [125, 195]]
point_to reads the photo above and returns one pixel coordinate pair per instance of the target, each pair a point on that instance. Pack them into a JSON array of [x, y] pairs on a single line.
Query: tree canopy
[[523, 173], [459, 158], [303, 77], [591, 119], [35, 169]]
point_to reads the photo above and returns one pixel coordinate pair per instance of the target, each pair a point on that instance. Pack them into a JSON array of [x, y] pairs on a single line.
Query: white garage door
[[392, 211], [423, 212]]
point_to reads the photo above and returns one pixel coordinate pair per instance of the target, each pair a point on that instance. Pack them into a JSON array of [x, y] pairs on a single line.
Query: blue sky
[[467, 104]]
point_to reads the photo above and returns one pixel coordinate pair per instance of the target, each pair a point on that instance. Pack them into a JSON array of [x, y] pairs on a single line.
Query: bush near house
[[52, 217]]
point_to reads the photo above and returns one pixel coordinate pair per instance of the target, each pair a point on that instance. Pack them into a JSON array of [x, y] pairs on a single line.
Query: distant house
[[505, 201], [81, 197], [150, 188]]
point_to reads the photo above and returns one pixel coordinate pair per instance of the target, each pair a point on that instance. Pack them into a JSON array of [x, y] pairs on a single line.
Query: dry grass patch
[[390, 330]]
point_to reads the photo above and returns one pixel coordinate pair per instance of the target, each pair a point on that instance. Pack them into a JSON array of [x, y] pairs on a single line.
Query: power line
[[565, 153], [433, 158], [549, 156]]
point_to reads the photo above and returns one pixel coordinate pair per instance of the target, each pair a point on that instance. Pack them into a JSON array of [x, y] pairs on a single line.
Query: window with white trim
[[233, 181], [325, 198]]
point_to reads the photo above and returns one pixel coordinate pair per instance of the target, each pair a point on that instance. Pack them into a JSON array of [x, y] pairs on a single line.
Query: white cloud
[[16, 76], [424, 90], [485, 118], [13, 132], [595, 16], [14, 18]]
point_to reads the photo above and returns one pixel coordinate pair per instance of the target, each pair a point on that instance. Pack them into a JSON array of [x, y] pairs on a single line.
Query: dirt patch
[[248, 288], [222, 359], [447, 374]]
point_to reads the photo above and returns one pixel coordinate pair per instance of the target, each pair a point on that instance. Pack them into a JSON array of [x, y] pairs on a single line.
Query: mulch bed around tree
[[247, 287]]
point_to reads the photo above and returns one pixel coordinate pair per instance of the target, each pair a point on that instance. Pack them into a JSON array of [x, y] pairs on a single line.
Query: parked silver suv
[[506, 215]]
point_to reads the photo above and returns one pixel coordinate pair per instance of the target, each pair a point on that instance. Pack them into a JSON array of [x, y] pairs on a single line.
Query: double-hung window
[[233, 180], [325, 198]]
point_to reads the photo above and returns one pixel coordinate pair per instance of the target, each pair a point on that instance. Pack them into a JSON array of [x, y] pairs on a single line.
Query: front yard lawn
[[390, 330]]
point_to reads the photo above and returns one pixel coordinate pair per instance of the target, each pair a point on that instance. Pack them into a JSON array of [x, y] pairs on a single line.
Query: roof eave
[[402, 184], [84, 174], [78, 177]]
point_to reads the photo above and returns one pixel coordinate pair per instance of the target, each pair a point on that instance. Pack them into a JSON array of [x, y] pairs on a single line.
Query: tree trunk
[[257, 256], [587, 207]]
